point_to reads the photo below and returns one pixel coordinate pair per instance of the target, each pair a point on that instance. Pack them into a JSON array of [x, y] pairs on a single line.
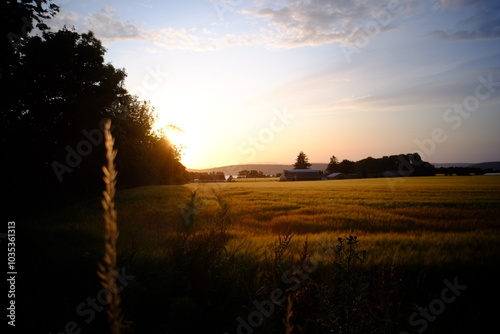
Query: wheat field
[[428, 219], [202, 252]]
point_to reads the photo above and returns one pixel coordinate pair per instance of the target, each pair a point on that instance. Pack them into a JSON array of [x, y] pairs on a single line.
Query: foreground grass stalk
[[289, 314], [108, 269]]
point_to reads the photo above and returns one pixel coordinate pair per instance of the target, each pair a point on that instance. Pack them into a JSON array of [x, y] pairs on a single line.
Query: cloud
[[108, 26], [292, 24], [281, 25], [314, 23], [452, 4], [482, 20], [66, 19], [181, 39], [441, 93]]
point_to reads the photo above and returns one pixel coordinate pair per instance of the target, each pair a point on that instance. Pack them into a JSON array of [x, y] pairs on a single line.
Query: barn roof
[[334, 174], [301, 174], [315, 171]]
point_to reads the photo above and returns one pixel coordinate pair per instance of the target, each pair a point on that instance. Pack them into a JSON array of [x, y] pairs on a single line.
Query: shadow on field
[[191, 282]]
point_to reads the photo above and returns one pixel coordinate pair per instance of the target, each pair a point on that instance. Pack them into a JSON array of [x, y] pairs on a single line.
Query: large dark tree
[[395, 165], [62, 90], [17, 19], [60, 93], [346, 166], [302, 161], [333, 165]]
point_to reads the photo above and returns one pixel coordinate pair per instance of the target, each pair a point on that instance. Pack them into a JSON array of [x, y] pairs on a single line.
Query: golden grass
[[439, 222], [108, 269], [426, 220], [287, 321], [418, 204]]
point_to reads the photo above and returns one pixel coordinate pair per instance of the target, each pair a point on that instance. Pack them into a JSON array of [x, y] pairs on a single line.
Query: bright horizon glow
[[247, 84]]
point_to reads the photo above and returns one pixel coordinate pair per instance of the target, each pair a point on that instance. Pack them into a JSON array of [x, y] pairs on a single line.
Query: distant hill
[[272, 169], [267, 169], [453, 164], [495, 165]]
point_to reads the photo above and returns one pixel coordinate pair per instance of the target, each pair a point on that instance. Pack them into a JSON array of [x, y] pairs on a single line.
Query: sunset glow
[[360, 81]]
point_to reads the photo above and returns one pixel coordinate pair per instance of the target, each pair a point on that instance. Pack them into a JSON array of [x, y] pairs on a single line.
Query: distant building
[[301, 175], [337, 176]]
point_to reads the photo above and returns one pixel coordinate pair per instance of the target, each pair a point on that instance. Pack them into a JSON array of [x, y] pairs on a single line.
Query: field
[[202, 254], [418, 221]]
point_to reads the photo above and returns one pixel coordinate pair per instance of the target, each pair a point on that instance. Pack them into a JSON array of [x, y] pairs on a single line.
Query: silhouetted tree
[[333, 165], [17, 20], [243, 173], [346, 166], [396, 165], [302, 161], [207, 177], [62, 91], [59, 93]]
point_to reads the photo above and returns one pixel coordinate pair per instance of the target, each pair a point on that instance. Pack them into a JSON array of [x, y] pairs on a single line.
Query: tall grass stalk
[[108, 269], [289, 314]]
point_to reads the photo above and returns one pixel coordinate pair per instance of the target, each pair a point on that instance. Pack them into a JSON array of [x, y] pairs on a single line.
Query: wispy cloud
[[291, 24], [314, 23], [108, 26], [280, 25], [482, 20], [67, 19]]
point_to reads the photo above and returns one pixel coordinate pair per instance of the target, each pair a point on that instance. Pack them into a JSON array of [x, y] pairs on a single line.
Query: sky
[[259, 81]]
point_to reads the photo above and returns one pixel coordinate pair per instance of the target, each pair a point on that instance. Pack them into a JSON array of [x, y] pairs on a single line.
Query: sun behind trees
[[58, 91]]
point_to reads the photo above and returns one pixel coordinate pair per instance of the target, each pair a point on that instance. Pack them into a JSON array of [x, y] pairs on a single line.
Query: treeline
[[206, 176], [387, 166], [220, 176], [251, 174], [57, 93], [463, 171]]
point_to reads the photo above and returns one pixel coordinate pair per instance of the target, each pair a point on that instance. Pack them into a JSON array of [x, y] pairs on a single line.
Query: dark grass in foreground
[[204, 273]]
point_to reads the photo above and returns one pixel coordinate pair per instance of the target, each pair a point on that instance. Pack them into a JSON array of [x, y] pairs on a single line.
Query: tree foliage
[[332, 166], [207, 176], [59, 92], [410, 164], [302, 161], [17, 20], [251, 174]]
